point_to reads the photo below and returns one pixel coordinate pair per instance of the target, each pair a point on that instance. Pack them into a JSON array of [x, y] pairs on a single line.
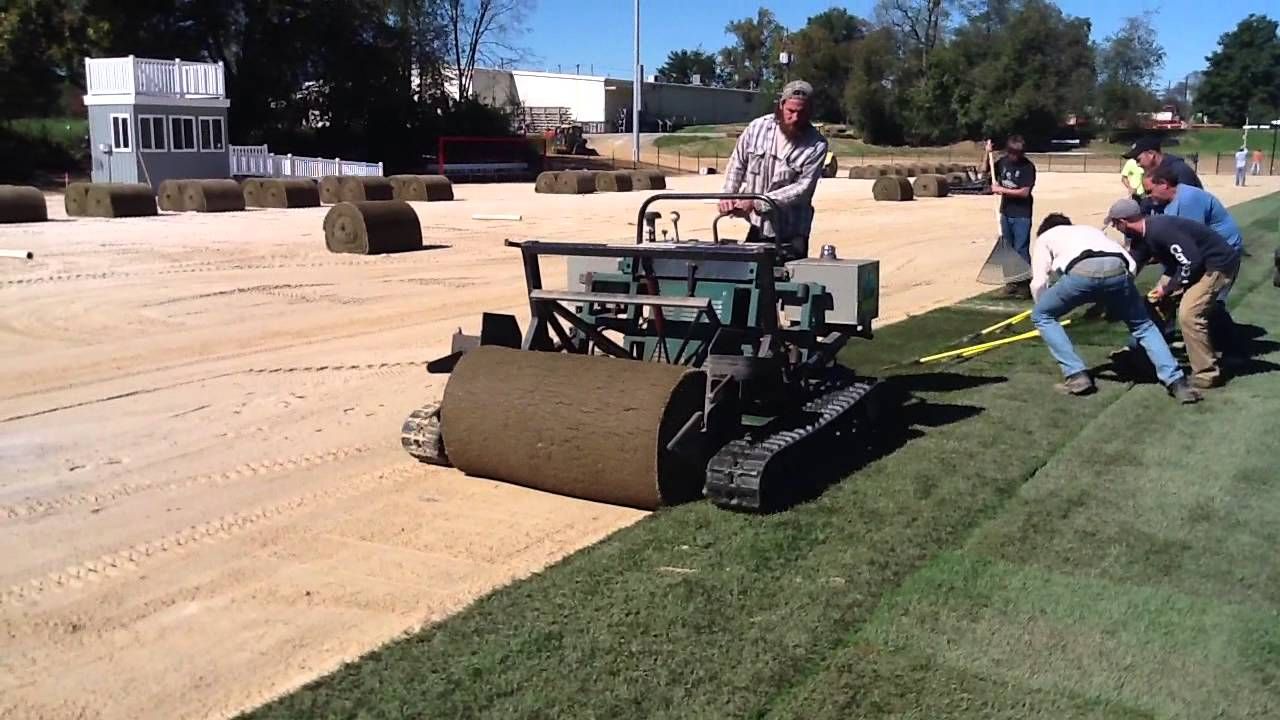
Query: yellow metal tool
[[983, 347]]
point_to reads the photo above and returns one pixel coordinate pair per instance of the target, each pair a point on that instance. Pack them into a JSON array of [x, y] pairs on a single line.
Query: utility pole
[[636, 89], [1275, 125]]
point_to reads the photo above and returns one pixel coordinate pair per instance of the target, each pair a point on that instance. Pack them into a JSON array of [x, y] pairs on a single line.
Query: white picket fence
[[158, 78], [258, 161]]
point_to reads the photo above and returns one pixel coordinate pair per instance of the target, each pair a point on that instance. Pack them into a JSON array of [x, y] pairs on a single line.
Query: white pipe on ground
[[19, 254], [486, 216]]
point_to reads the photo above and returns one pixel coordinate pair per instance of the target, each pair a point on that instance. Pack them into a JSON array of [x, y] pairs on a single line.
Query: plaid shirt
[[789, 180]]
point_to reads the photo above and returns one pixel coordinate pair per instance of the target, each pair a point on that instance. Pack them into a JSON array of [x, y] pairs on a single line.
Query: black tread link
[[745, 470], [420, 436]]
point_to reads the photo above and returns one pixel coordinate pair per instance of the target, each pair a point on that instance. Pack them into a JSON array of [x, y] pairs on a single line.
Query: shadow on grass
[[895, 416]]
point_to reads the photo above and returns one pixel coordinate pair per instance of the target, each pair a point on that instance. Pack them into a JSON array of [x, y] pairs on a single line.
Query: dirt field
[[203, 501]]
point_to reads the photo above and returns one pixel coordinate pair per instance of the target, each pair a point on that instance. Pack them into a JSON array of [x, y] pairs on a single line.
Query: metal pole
[[1271, 169], [637, 87]]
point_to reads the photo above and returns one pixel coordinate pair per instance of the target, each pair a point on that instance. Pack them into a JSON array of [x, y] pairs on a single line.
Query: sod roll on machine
[[668, 370]]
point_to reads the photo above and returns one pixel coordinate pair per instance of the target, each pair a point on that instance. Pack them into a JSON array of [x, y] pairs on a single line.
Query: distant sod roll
[[212, 196], [613, 182], [421, 188], [546, 182], [169, 196], [253, 193], [576, 183], [648, 180], [883, 171], [361, 189], [288, 193], [76, 199], [21, 204], [931, 186], [898, 170], [121, 200], [330, 189], [372, 227], [894, 188]]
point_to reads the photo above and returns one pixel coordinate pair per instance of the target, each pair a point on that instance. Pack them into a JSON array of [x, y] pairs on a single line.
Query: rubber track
[[744, 468]]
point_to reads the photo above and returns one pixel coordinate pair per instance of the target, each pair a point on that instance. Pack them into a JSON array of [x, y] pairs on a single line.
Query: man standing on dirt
[[1257, 161], [1198, 263], [1095, 269], [1242, 165], [1014, 180], [1149, 155], [781, 156]]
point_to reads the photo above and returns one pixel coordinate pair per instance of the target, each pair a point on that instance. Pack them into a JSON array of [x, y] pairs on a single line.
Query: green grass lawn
[[1021, 554]]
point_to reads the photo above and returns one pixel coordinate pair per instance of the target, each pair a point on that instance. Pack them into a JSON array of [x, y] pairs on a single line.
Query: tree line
[[927, 72]]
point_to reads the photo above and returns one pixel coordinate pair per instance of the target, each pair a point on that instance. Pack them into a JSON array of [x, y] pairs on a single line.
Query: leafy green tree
[[1128, 65], [871, 93], [751, 62], [1243, 77], [823, 51], [682, 65]]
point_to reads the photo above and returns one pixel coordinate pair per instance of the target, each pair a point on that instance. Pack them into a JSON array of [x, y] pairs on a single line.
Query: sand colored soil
[[203, 501]]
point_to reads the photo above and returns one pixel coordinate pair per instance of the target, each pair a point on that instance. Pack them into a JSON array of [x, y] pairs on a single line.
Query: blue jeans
[[1241, 173], [1120, 296], [1017, 232]]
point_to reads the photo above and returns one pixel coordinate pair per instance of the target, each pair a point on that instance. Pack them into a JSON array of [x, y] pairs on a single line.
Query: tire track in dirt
[[133, 557], [257, 468]]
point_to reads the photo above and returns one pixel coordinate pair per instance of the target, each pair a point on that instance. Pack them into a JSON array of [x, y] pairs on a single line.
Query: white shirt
[[1242, 159], [1055, 248]]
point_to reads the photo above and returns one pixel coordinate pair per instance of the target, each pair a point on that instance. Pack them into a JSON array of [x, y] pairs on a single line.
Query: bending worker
[[779, 155], [1095, 269]]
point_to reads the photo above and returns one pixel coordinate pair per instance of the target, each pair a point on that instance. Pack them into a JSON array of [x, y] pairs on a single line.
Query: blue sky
[[597, 34]]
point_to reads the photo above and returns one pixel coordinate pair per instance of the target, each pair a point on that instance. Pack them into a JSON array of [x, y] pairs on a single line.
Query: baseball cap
[[796, 89], [1141, 146], [1123, 209]]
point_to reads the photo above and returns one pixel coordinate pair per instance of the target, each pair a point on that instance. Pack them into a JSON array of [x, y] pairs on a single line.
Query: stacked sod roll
[[288, 194], [22, 204], [331, 189], [212, 196], [648, 180], [252, 189], [614, 182], [575, 182], [546, 182], [170, 195], [421, 188], [372, 227], [931, 185], [892, 188], [362, 189], [120, 200], [76, 200]]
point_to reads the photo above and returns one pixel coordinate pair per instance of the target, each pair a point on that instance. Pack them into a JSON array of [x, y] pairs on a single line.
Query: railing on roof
[[157, 78], [258, 161]]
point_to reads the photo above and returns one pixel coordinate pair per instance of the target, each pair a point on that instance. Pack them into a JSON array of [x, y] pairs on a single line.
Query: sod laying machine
[[669, 369]]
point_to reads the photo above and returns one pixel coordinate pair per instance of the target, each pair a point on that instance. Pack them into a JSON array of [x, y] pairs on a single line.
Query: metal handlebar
[[774, 209]]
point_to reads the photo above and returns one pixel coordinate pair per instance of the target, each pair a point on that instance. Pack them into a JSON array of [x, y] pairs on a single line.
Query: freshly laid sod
[[1020, 554]]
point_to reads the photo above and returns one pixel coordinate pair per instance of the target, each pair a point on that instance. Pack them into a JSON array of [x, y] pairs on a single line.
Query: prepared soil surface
[[203, 500]]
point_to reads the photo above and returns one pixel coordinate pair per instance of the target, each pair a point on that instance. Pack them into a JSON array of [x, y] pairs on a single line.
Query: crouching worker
[[1094, 269]]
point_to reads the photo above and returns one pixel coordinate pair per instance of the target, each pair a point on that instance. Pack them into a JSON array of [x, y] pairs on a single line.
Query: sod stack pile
[[617, 181], [372, 227], [76, 200], [546, 182], [287, 193], [170, 195], [120, 200], [575, 182], [648, 180], [361, 189], [931, 185], [421, 188], [211, 196], [331, 189], [895, 188], [252, 189], [22, 203]]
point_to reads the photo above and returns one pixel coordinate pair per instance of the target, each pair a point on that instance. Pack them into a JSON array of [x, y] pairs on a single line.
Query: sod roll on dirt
[[76, 199], [575, 183], [169, 196], [583, 426], [211, 196], [112, 200], [931, 186], [648, 180], [892, 188], [546, 182], [372, 227], [252, 189], [330, 189], [288, 193], [421, 188], [22, 203], [360, 189], [614, 182]]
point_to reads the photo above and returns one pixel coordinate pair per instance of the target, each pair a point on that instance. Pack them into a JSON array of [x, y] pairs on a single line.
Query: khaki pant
[[1193, 319]]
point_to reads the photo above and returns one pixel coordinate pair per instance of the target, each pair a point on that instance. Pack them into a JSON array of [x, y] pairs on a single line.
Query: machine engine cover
[[854, 286]]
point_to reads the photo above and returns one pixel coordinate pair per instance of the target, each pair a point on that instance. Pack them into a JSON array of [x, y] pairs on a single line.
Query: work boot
[[1201, 382], [1182, 391], [1076, 384]]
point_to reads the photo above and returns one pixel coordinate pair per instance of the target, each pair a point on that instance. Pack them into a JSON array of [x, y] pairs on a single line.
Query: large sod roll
[[932, 185], [253, 193], [575, 182], [170, 195], [211, 196], [372, 227], [288, 193], [546, 182], [22, 203], [76, 200], [892, 188], [614, 182], [421, 188], [119, 200], [330, 189], [648, 180], [360, 189], [583, 426]]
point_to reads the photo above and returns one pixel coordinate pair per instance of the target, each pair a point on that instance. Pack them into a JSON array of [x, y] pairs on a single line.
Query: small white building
[[603, 104]]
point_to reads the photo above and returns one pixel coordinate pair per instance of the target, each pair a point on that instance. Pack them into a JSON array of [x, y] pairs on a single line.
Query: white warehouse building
[[603, 104]]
